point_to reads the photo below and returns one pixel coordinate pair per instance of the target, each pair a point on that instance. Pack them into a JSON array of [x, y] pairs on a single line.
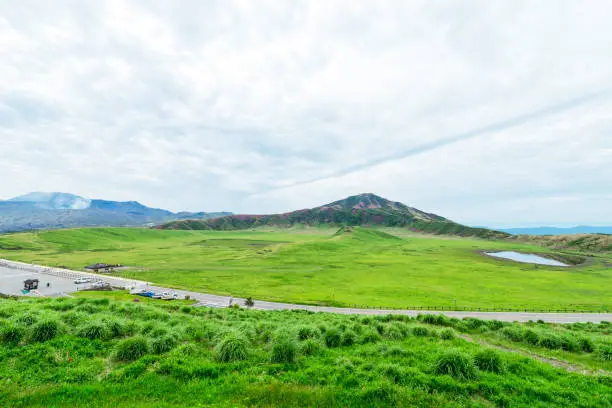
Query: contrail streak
[[506, 124]]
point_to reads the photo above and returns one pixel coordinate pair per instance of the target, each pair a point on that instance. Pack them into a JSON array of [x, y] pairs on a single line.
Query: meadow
[[98, 352], [390, 268]]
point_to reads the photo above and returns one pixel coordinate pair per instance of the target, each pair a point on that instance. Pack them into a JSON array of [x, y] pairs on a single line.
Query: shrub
[[604, 352], [489, 360], [284, 350], [310, 347], [249, 302], [186, 309], [44, 330], [163, 344], [349, 338], [131, 349], [306, 332], [550, 341], [11, 333], [513, 333], [332, 338], [586, 344], [233, 347], [447, 334], [456, 364], [420, 331], [93, 331]]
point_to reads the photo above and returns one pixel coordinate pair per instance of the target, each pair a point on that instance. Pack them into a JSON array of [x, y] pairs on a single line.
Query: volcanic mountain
[[363, 209], [61, 210]]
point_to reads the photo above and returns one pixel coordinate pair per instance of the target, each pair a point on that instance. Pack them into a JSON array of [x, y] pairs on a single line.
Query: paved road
[[209, 300]]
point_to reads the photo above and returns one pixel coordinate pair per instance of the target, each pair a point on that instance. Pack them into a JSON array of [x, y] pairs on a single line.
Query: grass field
[[97, 352], [386, 268]]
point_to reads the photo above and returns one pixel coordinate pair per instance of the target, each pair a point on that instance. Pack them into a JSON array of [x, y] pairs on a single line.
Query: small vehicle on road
[[82, 280]]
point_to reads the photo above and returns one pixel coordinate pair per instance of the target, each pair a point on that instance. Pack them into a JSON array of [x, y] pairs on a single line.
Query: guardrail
[[515, 309]]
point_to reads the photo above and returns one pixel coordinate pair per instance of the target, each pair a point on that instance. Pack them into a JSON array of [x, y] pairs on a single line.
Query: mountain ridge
[[362, 209], [39, 210]]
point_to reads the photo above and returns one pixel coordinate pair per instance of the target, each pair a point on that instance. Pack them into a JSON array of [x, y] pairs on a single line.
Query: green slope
[[356, 266]]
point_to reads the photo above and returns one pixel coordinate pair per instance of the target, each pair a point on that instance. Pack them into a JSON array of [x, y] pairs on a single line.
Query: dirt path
[[574, 368]]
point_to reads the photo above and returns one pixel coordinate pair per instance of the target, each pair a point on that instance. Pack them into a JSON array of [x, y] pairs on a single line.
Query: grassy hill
[[100, 353], [363, 209], [388, 267]]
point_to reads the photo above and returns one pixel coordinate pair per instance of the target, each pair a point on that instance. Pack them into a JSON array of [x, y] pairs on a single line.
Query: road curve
[[209, 300]]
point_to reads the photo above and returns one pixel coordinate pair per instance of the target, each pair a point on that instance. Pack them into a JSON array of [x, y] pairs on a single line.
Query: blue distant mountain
[[62, 210], [581, 229]]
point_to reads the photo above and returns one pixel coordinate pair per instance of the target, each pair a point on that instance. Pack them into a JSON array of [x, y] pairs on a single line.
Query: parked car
[[81, 280], [100, 284]]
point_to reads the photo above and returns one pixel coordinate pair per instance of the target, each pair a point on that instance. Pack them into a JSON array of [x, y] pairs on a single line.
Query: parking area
[[11, 282]]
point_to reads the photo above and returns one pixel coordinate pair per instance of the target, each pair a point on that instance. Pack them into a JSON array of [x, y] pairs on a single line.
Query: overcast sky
[[488, 113]]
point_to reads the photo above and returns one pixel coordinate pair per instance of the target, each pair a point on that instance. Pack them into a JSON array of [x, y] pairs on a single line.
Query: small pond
[[526, 258]]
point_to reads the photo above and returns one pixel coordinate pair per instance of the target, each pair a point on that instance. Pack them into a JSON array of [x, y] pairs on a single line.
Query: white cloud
[[214, 105]]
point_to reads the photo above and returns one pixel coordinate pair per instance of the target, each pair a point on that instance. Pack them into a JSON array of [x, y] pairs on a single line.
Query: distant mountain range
[[61, 210], [362, 209], [581, 229]]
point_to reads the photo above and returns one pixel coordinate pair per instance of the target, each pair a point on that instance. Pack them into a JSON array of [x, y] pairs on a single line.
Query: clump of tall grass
[[27, 319], [332, 337], [310, 347], [447, 334], [586, 344], [44, 330], [233, 347], [131, 349], [513, 333], [456, 364], [284, 349], [489, 360], [307, 332], [163, 344], [394, 333], [531, 336], [11, 333], [349, 338], [550, 341], [604, 352], [93, 331], [370, 336], [420, 331]]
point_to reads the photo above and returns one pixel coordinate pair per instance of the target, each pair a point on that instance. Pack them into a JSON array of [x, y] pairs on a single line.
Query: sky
[[488, 113]]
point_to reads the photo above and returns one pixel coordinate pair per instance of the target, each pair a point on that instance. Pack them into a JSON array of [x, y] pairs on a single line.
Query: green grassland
[[360, 266], [105, 353]]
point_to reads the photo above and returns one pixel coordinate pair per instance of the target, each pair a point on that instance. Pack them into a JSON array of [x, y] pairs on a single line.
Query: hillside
[[363, 209], [578, 242], [61, 210], [581, 229], [97, 352]]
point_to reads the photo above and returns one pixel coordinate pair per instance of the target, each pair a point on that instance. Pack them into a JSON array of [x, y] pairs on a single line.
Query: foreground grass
[[101, 353], [314, 266]]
